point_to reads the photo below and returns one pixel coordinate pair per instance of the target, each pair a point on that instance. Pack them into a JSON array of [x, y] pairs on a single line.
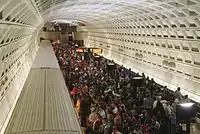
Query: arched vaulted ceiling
[[158, 37]]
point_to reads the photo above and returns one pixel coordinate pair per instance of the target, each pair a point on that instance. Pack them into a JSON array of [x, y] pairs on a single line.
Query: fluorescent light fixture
[[186, 105], [73, 22]]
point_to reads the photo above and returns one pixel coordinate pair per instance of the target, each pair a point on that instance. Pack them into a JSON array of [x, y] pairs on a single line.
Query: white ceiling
[[178, 20]]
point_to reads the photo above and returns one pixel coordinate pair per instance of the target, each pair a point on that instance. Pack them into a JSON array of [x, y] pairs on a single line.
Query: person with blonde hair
[[77, 108], [115, 131]]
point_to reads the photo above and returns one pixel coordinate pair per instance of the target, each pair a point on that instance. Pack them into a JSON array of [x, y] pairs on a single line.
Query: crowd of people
[[108, 101]]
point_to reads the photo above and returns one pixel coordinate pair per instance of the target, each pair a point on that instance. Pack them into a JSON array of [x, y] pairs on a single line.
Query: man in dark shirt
[[85, 105], [89, 129], [109, 127]]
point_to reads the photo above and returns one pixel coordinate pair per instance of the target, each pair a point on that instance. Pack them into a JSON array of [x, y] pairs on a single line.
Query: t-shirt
[[116, 132], [155, 103], [102, 113], [117, 120], [78, 106], [89, 130], [178, 95], [108, 128], [74, 91]]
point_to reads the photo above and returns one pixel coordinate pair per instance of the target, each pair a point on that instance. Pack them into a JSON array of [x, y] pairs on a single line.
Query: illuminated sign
[[80, 50], [93, 50], [97, 50]]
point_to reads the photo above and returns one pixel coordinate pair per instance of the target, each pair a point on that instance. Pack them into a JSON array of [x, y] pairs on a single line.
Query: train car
[[44, 105]]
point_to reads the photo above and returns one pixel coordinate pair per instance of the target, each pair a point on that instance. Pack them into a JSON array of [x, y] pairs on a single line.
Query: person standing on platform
[[178, 94]]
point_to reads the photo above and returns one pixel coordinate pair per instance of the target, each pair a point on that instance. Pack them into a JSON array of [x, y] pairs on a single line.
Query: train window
[[173, 36], [190, 37], [185, 48], [2, 74], [177, 47], [196, 77], [179, 59], [182, 25], [195, 49], [165, 56], [170, 46], [165, 26], [2, 41], [165, 35], [163, 45], [159, 26], [159, 35], [2, 93], [197, 63], [173, 26], [13, 20], [192, 25], [188, 61], [165, 67], [159, 65], [179, 72], [7, 18], [181, 37], [192, 13], [188, 74], [172, 57]]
